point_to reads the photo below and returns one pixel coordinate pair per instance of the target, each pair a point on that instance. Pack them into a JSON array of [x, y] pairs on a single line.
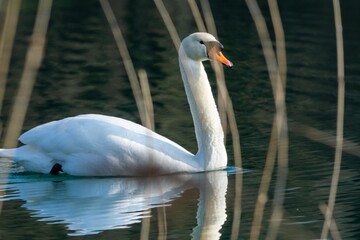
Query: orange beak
[[217, 55]]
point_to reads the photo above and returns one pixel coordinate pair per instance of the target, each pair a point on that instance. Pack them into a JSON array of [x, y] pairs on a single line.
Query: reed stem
[[339, 123], [168, 23], [6, 45], [278, 86], [125, 55], [34, 57]]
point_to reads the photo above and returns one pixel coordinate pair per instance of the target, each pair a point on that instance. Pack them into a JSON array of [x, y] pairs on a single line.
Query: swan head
[[203, 46]]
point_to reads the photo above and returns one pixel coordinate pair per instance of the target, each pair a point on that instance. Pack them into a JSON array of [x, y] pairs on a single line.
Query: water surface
[[82, 72]]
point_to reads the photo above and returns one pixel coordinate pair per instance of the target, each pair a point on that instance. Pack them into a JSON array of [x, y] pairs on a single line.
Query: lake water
[[82, 72]]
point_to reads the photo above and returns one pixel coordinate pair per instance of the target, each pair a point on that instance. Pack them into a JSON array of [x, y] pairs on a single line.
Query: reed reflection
[[92, 205]]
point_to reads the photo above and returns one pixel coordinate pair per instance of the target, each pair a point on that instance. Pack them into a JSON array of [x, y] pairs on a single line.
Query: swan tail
[[30, 158], [7, 153]]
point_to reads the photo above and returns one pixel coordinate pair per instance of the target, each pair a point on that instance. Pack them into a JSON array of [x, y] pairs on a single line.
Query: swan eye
[[201, 42]]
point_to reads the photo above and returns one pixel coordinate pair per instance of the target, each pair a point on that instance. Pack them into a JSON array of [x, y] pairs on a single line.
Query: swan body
[[98, 145]]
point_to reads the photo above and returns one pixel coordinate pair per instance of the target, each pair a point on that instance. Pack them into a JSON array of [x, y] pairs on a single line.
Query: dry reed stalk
[[223, 98], [324, 137], [149, 123], [339, 123], [168, 23], [145, 228], [148, 114], [32, 64], [264, 185], [140, 88], [197, 16], [209, 19], [280, 116], [235, 227], [279, 39], [6, 45], [271, 155], [335, 234], [237, 154], [230, 114], [34, 57], [33, 61], [148, 104], [162, 223], [124, 53]]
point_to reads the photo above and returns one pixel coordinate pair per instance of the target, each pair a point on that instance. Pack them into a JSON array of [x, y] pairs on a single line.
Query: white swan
[[98, 145]]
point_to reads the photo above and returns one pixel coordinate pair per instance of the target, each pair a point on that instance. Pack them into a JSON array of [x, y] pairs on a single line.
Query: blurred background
[[82, 72]]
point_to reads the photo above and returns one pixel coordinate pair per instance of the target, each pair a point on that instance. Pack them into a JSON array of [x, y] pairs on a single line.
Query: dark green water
[[82, 72]]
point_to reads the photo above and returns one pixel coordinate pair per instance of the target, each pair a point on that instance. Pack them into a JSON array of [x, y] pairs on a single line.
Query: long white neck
[[209, 133]]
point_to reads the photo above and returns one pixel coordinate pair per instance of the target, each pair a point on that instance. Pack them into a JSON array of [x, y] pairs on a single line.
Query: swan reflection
[[92, 205]]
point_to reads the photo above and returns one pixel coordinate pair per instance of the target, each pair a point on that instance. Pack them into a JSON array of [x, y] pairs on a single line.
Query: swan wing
[[103, 145]]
